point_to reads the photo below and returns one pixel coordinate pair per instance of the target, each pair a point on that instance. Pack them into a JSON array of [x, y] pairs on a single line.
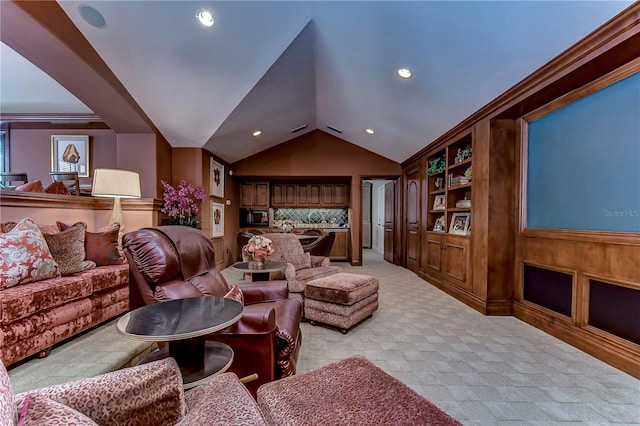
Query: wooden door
[[456, 262], [433, 253], [389, 221], [366, 214], [413, 220], [327, 194]]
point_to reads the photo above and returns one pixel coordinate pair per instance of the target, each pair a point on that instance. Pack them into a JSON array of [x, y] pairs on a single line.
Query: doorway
[[373, 214]]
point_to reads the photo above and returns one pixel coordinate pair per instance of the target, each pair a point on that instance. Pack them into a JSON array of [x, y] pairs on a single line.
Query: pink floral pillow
[[25, 256], [33, 186]]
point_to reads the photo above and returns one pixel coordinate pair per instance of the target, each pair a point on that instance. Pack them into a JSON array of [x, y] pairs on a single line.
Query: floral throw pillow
[[25, 256], [33, 186], [57, 188]]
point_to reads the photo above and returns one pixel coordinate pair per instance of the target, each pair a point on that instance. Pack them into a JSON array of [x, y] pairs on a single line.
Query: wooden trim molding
[[607, 237], [10, 198]]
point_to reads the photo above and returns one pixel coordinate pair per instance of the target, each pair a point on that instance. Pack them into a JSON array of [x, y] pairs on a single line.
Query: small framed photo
[[217, 220], [440, 224], [216, 179], [460, 223], [438, 202], [70, 153]]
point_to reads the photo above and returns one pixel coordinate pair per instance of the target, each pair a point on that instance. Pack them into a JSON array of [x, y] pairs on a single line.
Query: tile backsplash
[[302, 217]]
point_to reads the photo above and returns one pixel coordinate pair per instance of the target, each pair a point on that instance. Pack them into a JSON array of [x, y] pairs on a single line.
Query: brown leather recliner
[[172, 262]]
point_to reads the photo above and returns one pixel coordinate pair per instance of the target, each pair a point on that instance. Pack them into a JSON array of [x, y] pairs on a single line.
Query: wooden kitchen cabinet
[[254, 195], [309, 195], [340, 249]]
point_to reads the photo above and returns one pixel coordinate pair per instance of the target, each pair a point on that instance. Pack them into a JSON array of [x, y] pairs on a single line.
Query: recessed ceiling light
[[205, 17], [370, 131], [92, 16], [404, 73], [257, 133]]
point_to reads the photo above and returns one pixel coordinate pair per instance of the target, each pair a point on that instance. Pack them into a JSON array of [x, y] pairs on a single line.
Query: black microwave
[[254, 218]]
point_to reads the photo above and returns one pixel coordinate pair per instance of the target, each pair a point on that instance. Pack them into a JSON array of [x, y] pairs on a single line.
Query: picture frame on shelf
[[217, 220], [439, 225], [70, 153], [439, 202], [216, 178], [460, 223]]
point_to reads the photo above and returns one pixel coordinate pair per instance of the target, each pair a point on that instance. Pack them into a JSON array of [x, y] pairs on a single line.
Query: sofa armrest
[[262, 291], [107, 398], [318, 261], [222, 400]]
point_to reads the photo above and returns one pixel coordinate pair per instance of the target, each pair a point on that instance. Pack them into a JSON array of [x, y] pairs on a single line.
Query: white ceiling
[[278, 65]]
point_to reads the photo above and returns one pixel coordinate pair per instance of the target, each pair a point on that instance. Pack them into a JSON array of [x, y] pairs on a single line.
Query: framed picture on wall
[[460, 223], [216, 179], [217, 220], [70, 153]]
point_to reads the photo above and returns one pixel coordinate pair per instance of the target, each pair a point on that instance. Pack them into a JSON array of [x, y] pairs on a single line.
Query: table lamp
[[116, 184]]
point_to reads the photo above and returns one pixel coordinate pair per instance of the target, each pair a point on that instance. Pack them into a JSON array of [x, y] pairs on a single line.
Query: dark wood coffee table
[[182, 324], [261, 274]]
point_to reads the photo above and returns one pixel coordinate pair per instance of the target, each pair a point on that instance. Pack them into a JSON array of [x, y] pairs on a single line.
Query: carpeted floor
[[481, 370]]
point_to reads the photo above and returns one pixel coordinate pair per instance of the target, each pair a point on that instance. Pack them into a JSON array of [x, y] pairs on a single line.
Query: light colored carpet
[[481, 370]]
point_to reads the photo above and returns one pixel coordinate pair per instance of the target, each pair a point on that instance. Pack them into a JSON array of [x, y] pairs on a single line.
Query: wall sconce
[[116, 184]]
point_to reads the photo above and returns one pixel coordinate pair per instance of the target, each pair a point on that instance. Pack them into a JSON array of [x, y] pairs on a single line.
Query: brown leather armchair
[[172, 262]]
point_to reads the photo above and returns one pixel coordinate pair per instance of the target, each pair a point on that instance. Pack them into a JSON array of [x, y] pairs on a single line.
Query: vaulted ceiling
[[276, 66]]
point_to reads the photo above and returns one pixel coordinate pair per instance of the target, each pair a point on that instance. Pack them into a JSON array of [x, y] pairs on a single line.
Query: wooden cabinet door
[[340, 195], [314, 198], [413, 220], [340, 249], [290, 190], [327, 195], [302, 195], [457, 262], [277, 195], [432, 256], [261, 193], [247, 194]]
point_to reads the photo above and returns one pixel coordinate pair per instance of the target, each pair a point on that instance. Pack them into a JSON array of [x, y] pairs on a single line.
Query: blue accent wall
[[584, 163]]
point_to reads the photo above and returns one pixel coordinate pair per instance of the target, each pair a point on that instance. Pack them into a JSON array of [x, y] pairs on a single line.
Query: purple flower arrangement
[[181, 204]]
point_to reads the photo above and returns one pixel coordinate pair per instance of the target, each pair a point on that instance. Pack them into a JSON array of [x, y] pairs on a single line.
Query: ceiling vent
[[334, 129], [297, 129]]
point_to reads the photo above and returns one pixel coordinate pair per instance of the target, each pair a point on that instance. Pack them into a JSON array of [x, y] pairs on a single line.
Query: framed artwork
[[460, 223], [70, 153], [438, 202], [216, 179], [439, 226], [217, 220]]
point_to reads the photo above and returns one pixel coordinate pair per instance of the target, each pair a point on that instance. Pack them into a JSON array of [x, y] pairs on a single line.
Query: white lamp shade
[[115, 183]]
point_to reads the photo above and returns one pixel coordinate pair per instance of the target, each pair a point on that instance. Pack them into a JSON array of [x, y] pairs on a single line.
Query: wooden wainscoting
[[608, 262]]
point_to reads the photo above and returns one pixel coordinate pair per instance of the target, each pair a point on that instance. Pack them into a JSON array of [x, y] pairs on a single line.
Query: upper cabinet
[[313, 195], [254, 195]]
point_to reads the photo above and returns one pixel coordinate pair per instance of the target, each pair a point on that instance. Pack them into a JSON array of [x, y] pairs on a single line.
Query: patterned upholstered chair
[[301, 267], [149, 394]]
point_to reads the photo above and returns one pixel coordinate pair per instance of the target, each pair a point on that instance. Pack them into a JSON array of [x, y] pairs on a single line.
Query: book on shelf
[[458, 180]]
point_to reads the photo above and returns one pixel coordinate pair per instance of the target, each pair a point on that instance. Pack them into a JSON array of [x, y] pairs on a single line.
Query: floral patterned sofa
[[56, 281]]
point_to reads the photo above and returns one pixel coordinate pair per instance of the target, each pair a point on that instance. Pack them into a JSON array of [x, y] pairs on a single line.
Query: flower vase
[[258, 262]]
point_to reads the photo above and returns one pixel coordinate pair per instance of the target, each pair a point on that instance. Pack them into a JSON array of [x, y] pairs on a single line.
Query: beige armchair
[[149, 394], [301, 267]]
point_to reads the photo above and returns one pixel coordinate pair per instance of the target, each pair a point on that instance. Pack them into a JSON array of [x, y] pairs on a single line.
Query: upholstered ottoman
[[341, 300], [353, 391]]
